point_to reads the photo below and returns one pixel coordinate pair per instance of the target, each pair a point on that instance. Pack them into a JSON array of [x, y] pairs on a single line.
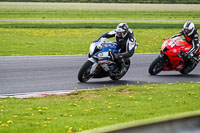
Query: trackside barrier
[[188, 122]]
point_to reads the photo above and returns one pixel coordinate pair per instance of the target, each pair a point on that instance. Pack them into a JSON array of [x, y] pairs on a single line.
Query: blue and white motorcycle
[[100, 63]]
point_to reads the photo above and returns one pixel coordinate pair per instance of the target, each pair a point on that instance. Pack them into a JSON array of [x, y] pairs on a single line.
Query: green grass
[[57, 38], [99, 11], [42, 41], [100, 15], [91, 109], [68, 38], [87, 25]]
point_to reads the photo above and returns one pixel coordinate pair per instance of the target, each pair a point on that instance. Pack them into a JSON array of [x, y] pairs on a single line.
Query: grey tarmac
[[27, 74]]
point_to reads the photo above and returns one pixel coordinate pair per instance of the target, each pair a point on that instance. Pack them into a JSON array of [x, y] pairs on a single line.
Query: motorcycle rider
[[190, 33], [126, 41]]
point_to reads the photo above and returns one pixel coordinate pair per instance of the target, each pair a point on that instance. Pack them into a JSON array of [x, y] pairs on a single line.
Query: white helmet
[[188, 28], [122, 30]]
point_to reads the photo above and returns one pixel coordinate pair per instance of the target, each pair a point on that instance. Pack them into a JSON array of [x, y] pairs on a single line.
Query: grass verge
[[55, 38], [90, 25], [57, 6], [98, 11], [24, 38], [100, 15], [71, 41], [83, 110]]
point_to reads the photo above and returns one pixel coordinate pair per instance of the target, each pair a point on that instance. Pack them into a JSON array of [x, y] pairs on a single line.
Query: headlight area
[[100, 55]]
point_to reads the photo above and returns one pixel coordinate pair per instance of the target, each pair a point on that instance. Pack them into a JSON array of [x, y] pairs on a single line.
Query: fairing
[[170, 51], [99, 51]]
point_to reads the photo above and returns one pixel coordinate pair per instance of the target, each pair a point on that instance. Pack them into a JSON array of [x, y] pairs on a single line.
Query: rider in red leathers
[[191, 35]]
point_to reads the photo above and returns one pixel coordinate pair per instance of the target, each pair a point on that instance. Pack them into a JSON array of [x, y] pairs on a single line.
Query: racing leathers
[[190, 57], [192, 39], [127, 44]]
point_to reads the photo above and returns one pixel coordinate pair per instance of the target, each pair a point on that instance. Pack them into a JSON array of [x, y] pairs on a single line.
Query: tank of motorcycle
[[103, 53], [106, 46], [172, 47], [110, 46]]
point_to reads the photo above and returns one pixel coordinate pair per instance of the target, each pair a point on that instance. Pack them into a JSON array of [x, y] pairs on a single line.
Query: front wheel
[[156, 66], [84, 72]]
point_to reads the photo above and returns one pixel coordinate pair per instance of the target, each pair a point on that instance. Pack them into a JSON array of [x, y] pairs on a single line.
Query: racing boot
[[193, 60], [196, 58], [122, 66], [190, 64]]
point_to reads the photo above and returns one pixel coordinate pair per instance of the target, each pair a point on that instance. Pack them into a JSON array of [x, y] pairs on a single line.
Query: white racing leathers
[[127, 44]]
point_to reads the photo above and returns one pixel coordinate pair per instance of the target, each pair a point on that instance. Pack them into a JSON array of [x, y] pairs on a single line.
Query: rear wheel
[[84, 72], [156, 66], [119, 76], [188, 69]]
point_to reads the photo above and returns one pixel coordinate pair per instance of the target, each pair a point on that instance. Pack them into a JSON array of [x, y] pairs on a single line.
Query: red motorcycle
[[171, 58]]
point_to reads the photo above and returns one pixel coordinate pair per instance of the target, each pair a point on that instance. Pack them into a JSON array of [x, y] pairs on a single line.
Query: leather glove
[[114, 56], [182, 55], [185, 55], [95, 41], [166, 38]]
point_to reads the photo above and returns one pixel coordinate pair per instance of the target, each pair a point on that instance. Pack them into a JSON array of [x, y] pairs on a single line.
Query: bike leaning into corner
[[101, 64], [173, 57]]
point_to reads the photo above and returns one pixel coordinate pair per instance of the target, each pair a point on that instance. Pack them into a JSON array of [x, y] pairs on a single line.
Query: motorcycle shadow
[[179, 75], [115, 82]]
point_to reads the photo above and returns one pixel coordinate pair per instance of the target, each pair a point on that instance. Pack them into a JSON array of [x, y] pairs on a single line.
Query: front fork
[[164, 58], [94, 66]]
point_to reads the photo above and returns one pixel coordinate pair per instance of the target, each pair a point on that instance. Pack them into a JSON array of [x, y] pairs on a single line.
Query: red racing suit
[[193, 40]]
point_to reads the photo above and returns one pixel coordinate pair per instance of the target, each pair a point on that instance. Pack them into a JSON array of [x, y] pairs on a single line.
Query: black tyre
[[84, 72], [156, 66], [188, 69], [117, 77]]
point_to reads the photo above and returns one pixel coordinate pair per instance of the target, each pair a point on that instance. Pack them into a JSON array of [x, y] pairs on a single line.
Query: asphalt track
[[24, 74]]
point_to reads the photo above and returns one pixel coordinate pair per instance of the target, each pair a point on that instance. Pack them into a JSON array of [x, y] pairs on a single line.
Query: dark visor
[[187, 30], [120, 34]]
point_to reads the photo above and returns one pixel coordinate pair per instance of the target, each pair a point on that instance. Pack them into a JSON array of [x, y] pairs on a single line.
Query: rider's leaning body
[[191, 35], [125, 39]]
